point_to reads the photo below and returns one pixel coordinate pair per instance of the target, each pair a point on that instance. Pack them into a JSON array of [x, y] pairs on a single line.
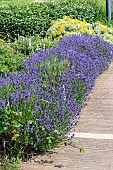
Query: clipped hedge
[[35, 18]]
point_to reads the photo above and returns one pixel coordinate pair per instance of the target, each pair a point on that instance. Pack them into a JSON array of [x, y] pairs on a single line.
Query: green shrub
[[10, 60], [23, 45], [28, 45], [13, 53], [36, 18]]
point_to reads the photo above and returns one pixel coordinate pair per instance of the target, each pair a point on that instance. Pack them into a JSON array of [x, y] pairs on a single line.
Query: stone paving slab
[[98, 156], [96, 118]]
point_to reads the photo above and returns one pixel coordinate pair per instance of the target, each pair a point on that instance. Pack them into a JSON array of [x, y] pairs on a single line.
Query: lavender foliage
[[48, 94]]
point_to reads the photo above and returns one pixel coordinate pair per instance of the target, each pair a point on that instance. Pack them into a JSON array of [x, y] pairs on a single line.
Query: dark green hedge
[[35, 18]]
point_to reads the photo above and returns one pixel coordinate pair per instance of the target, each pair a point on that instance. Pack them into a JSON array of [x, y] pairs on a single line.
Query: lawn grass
[[16, 2]]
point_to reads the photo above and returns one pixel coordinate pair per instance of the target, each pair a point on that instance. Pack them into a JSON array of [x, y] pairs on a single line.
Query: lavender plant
[[41, 103]]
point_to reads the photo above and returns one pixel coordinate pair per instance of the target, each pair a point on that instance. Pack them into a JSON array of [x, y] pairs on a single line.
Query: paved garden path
[[94, 132]]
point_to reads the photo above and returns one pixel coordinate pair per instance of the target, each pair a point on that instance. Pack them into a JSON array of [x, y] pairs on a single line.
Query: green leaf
[[15, 136], [5, 128], [56, 131], [43, 128], [82, 149], [49, 140], [30, 121]]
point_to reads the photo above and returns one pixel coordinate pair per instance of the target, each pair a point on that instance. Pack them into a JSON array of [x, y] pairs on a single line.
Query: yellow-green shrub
[[68, 26]]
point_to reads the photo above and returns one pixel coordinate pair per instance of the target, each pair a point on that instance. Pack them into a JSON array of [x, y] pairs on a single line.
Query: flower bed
[[41, 103], [68, 26]]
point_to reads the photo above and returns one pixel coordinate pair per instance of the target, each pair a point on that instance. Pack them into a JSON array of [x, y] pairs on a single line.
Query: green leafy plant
[[10, 164], [12, 54], [23, 45], [9, 59], [29, 45], [35, 18]]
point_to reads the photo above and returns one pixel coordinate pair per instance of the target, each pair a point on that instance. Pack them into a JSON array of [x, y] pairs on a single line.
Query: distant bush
[[36, 18]]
